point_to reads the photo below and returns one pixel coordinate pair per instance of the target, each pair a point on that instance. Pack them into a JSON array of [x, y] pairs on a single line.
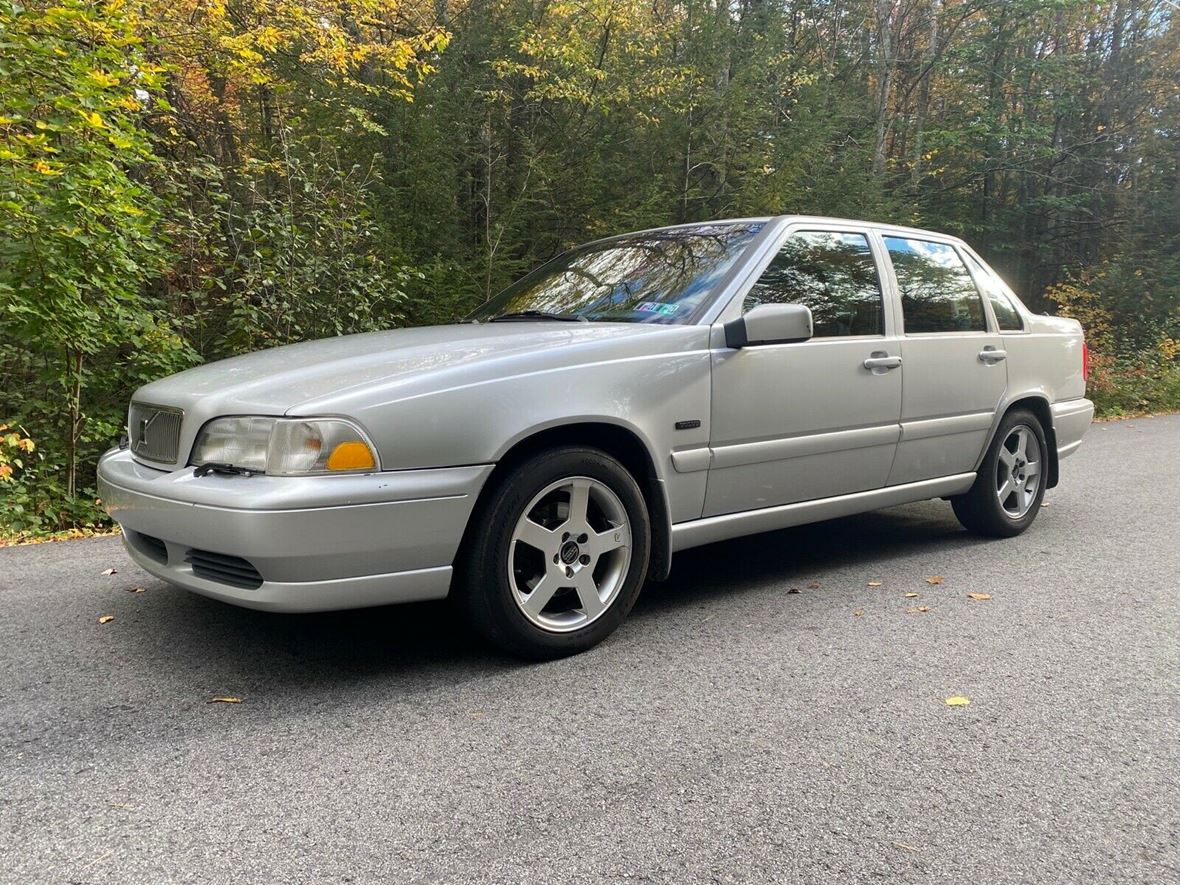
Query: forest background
[[182, 180]]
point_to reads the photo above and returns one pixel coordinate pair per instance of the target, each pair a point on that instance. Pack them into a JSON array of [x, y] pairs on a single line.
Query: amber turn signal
[[353, 455]]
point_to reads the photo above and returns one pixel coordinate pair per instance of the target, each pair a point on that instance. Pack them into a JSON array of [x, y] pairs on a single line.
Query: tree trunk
[[923, 109], [74, 430], [884, 80]]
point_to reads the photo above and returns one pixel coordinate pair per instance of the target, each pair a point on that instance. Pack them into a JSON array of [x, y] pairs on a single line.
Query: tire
[[539, 582], [1010, 485]]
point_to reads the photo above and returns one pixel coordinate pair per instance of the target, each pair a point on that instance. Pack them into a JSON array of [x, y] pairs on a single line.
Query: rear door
[[955, 371], [795, 422]]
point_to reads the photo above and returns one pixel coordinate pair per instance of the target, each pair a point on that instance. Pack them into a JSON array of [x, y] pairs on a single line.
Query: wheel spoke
[[541, 593], [1005, 490], [579, 502], [536, 536], [1025, 497], [604, 542], [1032, 468], [1007, 458], [588, 593], [1022, 444]]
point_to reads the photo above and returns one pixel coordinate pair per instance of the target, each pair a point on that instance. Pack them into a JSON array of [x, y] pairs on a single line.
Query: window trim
[[989, 325], [732, 308]]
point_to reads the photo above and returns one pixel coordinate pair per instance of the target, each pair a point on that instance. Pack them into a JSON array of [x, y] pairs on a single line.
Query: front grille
[[154, 432], [224, 569], [153, 548]]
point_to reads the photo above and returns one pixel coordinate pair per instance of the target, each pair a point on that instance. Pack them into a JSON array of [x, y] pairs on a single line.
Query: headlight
[[285, 446]]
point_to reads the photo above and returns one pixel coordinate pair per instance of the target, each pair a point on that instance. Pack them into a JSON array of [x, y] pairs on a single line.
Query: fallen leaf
[[110, 572], [919, 609], [874, 583], [135, 589], [814, 585], [934, 579], [905, 846], [911, 596], [957, 701], [979, 596], [225, 700], [794, 590], [105, 619], [858, 613]]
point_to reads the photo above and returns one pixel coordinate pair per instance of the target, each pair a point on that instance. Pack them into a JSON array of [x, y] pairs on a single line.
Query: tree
[[79, 237]]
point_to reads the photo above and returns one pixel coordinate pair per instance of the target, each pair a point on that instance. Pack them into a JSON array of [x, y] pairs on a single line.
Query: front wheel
[[1010, 484], [559, 554]]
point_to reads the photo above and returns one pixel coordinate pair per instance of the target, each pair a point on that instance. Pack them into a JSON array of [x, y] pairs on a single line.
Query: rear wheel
[[1010, 484], [560, 555]]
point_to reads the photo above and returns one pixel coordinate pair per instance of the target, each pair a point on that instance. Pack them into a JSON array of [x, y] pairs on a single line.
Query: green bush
[[1141, 383]]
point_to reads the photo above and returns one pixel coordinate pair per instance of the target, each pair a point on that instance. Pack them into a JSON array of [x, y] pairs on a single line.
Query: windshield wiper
[[523, 315]]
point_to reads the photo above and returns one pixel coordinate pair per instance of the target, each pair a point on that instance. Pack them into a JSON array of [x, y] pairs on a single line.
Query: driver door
[[807, 420]]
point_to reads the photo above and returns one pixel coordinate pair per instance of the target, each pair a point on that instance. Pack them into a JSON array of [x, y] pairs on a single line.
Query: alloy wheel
[[569, 554], [1018, 471]]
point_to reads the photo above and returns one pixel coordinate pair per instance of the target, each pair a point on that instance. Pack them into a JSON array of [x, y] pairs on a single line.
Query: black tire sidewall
[[489, 597]]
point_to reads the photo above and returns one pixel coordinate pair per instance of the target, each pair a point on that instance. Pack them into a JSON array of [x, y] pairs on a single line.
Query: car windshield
[[660, 276]]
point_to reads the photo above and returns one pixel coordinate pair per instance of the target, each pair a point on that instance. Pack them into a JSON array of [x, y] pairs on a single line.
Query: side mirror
[[770, 324]]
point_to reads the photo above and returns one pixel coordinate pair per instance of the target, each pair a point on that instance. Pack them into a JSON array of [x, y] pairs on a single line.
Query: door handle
[[990, 355], [878, 364]]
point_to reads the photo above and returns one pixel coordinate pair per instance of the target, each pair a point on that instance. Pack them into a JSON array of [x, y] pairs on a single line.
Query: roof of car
[[876, 225], [766, 219]]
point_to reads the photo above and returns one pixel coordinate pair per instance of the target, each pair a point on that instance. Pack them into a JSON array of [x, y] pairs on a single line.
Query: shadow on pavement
[[354, 644], [171, 651], [797, 554]]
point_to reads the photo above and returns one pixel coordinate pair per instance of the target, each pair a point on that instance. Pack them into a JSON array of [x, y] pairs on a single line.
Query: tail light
[[1085, 361]]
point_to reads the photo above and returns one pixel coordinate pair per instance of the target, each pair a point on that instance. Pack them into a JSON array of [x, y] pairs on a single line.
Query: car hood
[[332, 373]]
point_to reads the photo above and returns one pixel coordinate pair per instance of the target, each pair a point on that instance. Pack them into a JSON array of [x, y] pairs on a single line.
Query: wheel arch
[[1038, 404], [618, 441]]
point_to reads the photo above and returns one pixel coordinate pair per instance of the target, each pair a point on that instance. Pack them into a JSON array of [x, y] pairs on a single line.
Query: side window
[[937, 294], [831, 272], [1007, 316]]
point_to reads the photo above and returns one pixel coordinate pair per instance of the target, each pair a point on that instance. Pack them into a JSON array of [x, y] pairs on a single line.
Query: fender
[[1038, 400]]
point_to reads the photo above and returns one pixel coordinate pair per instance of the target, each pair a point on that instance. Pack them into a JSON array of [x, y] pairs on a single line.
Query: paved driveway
[[732, 731]]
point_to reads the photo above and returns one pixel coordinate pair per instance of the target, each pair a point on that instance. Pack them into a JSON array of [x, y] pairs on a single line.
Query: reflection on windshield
[[661, 276]]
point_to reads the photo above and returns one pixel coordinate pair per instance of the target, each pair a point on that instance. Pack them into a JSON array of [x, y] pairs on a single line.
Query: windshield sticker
[[668, 310]]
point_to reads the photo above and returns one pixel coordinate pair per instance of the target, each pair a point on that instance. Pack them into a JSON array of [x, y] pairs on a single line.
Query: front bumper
[[313, 543]]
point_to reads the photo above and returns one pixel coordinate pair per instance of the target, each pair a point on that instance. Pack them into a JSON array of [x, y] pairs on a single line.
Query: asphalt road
[[732, 731]]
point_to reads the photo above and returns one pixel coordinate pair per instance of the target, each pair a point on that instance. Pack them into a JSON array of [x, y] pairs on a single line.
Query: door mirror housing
[[770, 324]]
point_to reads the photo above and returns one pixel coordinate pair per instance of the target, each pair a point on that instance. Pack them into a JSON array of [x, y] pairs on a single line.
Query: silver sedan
[[633, 397]]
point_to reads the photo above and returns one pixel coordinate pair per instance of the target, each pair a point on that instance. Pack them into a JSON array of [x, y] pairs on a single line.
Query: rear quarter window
[[1008, 318]]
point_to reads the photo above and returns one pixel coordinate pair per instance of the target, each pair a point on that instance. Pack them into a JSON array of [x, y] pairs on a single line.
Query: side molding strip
[[740, 454], [692, 460], [749, 522], [930, 427]]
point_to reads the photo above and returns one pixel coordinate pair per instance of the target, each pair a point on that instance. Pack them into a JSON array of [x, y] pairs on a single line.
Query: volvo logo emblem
[[141, 443], [569, 552]]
